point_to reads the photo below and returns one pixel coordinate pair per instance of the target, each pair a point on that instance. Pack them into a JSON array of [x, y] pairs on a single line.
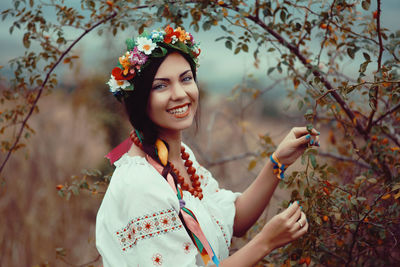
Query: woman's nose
[[177, 91]]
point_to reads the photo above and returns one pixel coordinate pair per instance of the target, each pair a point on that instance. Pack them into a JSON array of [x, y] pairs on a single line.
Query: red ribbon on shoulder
[[120, 150]]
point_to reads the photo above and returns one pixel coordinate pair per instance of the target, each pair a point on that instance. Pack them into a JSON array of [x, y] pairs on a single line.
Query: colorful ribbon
[[279, 168], [190, 219]]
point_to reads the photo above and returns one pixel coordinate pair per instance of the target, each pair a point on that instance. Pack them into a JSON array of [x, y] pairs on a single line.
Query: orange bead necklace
[[196, 190]]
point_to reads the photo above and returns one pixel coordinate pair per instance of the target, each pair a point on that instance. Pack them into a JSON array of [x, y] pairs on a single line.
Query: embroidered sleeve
[[138, 224]]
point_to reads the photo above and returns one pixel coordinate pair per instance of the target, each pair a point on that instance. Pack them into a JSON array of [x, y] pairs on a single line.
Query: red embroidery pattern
[[157, 259], [222, 230], [148, 226], [186, 247]]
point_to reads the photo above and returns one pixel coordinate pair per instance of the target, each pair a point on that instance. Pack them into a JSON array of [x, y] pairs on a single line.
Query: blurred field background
[[77, 125]]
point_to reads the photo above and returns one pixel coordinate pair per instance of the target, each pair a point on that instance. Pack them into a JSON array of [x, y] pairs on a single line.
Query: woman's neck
[[174, 140]]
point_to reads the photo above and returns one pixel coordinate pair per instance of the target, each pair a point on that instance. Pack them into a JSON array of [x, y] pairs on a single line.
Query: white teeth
[[179, 110]]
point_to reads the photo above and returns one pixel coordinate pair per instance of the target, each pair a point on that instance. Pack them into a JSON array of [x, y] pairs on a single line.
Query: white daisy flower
[[145, 45], [115, 85]]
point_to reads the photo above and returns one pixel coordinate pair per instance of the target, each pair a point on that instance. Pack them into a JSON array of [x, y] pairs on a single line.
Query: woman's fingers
[[291, 210], [301, 131], [301, 222], [302, 225]]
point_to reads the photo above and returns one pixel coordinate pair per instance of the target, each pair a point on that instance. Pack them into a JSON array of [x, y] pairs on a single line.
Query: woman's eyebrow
[[166, 79]]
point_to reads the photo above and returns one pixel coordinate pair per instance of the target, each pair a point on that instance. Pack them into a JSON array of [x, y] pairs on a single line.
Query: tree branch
[[361, 164], [314, 71], [42, 86]]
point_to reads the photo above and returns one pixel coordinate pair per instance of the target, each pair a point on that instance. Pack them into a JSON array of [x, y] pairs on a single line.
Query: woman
[[162, 208]]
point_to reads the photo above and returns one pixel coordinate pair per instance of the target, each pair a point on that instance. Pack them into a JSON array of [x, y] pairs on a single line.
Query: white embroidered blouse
[[138, 224]]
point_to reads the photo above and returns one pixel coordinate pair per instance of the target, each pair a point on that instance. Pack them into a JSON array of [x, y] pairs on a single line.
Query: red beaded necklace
[[196, 190]]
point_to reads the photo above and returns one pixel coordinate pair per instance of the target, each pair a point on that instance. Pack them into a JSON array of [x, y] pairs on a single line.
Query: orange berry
[[380, 241], [302, 260], [375, 14], [385, 141], [323, 26], [349, 197], [326, 190], [325, 218], [387, 196], [110, 3], [308, 260], [59, 187], [374, 138]]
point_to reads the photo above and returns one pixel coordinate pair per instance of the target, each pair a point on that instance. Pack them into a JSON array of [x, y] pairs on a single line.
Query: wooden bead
[[185, 156], [185, 186], [194, 177], [199, 190], [191, 191], [188, 163], [182, 149], [200, 196], [191, 170], [196, 183], [181, 179]]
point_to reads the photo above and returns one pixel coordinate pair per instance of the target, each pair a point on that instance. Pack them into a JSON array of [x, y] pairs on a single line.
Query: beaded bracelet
[[279, 168]]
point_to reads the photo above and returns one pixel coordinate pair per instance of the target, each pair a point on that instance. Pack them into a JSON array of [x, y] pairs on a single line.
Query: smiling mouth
[[180, 112]]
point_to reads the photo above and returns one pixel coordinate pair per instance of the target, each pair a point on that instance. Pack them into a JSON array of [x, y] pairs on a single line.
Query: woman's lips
[[180, 111]]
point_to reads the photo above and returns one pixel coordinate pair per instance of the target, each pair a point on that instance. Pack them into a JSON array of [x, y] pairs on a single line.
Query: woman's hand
[[285, 227], [294, 144]]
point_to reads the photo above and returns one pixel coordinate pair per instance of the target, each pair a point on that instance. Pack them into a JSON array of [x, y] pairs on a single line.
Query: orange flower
[[118, 74], [181, 34], [124, 61], [169, 32]]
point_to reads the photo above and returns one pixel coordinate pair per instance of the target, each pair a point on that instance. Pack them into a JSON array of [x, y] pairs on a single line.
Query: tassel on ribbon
[[200, 240]]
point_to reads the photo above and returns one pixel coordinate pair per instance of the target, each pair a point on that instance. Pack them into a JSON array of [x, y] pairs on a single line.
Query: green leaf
[[313, 160], [351, 52], [300, 104], [366, 56], [245, 48], [309, 114], [228, 44], [237, 50], [270, 70], [365, 5], [252, 164]]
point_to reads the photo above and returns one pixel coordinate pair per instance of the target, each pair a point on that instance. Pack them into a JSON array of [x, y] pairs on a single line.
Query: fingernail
[[311, 142], [308, 137], [318, 133], [298, 202], [290, 204]]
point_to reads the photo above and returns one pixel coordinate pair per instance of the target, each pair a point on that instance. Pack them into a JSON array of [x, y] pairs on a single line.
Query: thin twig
[[387, 113], [42, 86], [231, 158], [336, 157]]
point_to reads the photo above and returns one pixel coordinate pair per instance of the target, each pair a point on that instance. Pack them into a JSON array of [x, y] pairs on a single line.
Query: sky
[[219, 69]]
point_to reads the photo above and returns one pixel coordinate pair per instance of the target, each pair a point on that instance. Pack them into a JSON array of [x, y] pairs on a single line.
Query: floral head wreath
[[140, 52]]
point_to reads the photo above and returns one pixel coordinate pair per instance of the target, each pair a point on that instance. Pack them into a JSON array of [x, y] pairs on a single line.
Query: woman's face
[[174, 95]]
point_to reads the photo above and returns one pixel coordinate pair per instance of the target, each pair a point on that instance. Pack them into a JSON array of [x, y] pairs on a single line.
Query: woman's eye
[[187, 78], [158, 86]]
